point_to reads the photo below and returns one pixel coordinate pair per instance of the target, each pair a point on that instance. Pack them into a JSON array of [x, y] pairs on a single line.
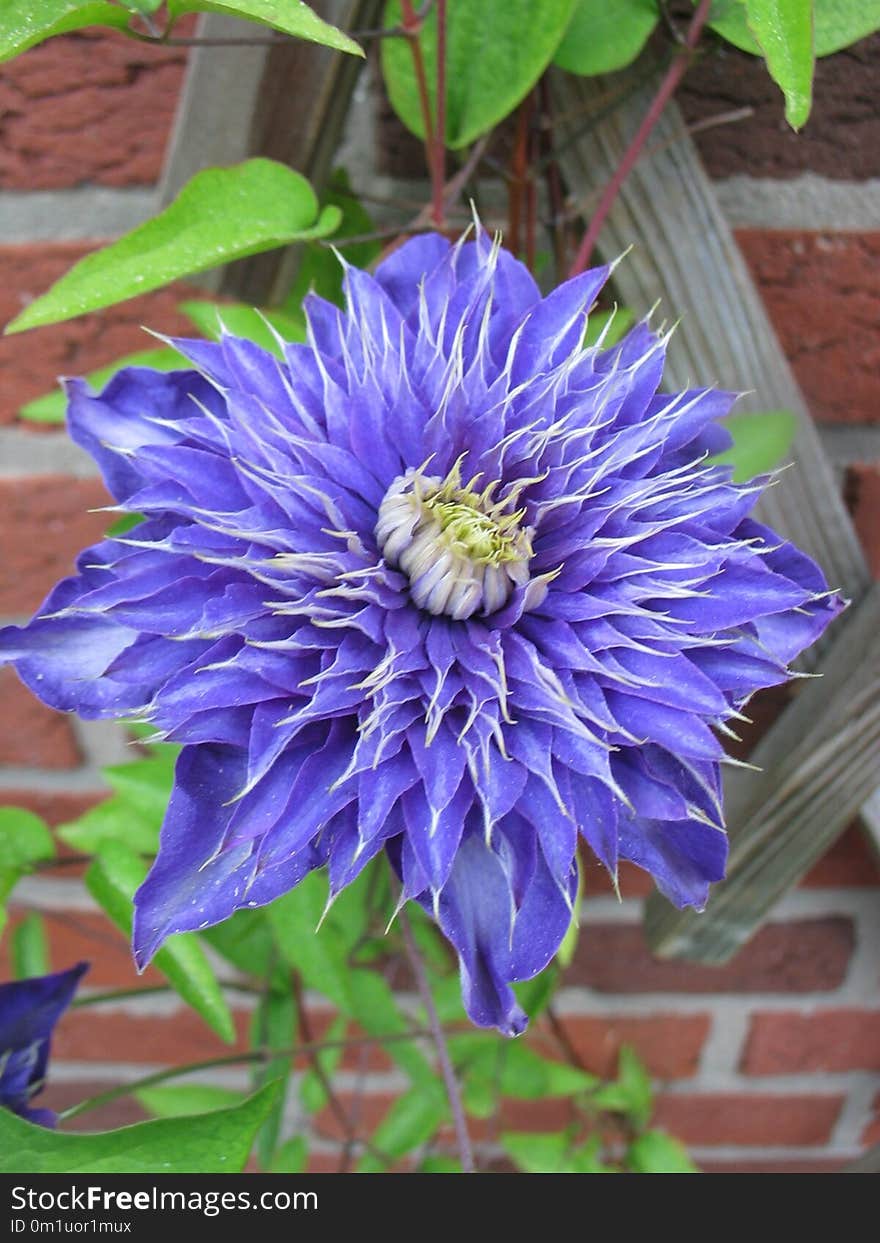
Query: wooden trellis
[[819, 761]]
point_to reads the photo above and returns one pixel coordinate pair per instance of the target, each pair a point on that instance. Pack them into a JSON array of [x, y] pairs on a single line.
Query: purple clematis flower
[[442, 583], [29, 1010]]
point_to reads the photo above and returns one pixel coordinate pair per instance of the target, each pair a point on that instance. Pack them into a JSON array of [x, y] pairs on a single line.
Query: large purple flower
[[29, 1010], [443, 583]]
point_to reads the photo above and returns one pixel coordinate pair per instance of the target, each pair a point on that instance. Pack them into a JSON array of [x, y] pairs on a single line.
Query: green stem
[[232, 1059]]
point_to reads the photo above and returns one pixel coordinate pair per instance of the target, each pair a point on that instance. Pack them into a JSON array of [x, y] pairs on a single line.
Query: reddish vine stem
[[519, 171], [411, 24], [531, 195], [673, 76], [438, 163]]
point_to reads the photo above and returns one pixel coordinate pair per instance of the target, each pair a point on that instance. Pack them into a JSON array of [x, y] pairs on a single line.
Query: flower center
[[461, 551]]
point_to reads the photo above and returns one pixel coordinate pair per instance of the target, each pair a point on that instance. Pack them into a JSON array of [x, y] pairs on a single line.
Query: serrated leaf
[[221, 214], [654, 1152], [211, 318], [292, 17], [25, 23], [112, 879], [51, 407], [180, 1100], [411, 1121], [216, 1143], [784, 32], [30, 947], [496, 52], [602, 37], [760, 442]]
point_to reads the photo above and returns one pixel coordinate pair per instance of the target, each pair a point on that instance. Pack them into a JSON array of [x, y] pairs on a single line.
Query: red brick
[[822, 291], [87, 108], [98, 1034], [849, 862], [32, 735], [863, 489], [31, 364], [46, 524], [829, 1040], [840, 140], [802, 956], [76, 936], [669, 1044], [768, 1121]]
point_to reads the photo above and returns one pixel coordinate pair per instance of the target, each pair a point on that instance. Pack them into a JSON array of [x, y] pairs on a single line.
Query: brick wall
[[771, 1062]]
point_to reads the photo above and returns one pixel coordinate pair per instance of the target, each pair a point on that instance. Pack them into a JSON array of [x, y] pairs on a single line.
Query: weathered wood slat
[[821, 757], [685, 255], [820, 762]]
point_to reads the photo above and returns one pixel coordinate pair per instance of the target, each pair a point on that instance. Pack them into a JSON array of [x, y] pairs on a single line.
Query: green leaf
[[602, 37], [784, 31], [631, 1093], [516, 1070], [135, 811], [30, 947], [245, 940], [180, 1100], [321, 955], [320, 270], [536, 994], [51, 407], [291, 1157], [412, 1120], [290, 16], [273, 1027], [496, 52], [211, 318], [614, 324], [657, 1153], [112, 879], [24, 842], [217, 1143], [24, 23], [760, 442], [539, 1153], [836, 24], [585, 1159], [220, 215]]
